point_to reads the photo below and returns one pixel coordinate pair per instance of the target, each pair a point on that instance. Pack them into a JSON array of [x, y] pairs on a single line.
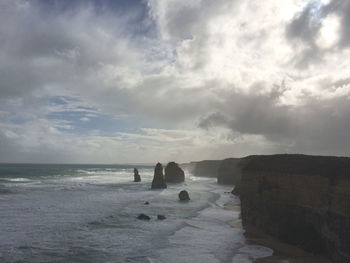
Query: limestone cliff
[[304, 200], [229, 171], [206, 168]]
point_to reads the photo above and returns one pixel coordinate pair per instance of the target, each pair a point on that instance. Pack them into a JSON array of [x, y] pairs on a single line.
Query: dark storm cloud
[[318, 125], [306, 24], [39, 49], [342, 8], [255, 113]]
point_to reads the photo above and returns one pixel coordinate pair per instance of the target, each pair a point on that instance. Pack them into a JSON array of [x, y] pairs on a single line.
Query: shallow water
[[88, 214]]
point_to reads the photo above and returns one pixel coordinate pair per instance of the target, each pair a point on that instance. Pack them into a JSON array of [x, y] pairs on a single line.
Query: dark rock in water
[[146, 203], [158, 179], [173, 173], [161, 217], [137, 177], [235, 190], [143, 217], [303, 200], [184, 196]]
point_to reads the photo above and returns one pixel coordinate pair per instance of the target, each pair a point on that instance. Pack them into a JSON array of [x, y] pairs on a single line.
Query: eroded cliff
[[304, 200], [206, 168], [229, 171]]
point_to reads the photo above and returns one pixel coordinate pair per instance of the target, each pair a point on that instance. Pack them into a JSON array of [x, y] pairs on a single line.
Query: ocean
[[88, 213]]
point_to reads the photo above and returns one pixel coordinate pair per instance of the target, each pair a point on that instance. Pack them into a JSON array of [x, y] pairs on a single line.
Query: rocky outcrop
[[303, 200], [207, 168], [161, 217], [158, 179], [143, 217], [229, 171], [137, 177], [184, 196], [173, 173]]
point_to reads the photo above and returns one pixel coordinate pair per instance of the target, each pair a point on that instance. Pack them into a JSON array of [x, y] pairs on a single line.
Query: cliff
[[304, 200], [207, 168], [229, 171]]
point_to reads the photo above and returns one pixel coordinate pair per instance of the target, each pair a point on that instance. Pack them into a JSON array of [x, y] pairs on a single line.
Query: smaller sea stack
[[137, 177], [158, 179], [173, 173]]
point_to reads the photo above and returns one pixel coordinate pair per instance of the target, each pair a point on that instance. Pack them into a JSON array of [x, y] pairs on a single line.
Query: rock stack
[[137, 177], [173, 173], [158, 179]]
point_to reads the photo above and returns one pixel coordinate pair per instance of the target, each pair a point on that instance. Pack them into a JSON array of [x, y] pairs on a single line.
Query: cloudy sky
[[130, 81]]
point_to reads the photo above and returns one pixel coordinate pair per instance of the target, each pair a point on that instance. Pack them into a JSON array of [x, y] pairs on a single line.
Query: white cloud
[[329, 34]]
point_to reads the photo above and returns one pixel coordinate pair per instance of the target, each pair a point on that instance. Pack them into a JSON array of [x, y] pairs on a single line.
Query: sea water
[[88, 213]]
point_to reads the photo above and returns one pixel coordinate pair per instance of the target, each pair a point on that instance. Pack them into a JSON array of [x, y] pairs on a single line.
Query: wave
[[16, 180]]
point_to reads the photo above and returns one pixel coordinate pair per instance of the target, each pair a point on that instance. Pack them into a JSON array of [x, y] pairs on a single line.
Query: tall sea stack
[[137, 177], [158, 179], [173, 173]]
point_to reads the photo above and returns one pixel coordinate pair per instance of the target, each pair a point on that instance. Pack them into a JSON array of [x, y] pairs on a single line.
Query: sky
[[142, 81]]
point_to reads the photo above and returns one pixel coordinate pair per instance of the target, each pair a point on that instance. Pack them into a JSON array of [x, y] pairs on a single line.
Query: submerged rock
[[173, 173], [158, 179], [143, 217], [137, 177], [161, 217], [184, 196]]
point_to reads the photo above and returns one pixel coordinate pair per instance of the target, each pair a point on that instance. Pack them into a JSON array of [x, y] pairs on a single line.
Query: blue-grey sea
[[88, 213]]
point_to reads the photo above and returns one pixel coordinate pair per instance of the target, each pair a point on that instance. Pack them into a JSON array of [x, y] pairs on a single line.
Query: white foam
[[17, 179], [256, 251]]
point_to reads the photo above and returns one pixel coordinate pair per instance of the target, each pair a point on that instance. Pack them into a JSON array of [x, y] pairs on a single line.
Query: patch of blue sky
[[136, 11], [79, 118], [82, 122], [18, 121], [60, 100], [315, 11], [65, 5]]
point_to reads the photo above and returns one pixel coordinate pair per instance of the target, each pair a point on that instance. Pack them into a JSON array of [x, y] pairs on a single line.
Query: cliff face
[[229, 171], [304, 200], [207, 168]]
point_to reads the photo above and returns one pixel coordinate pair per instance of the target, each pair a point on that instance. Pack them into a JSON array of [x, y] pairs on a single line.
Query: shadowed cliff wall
[[229, 171], [304, 200]]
